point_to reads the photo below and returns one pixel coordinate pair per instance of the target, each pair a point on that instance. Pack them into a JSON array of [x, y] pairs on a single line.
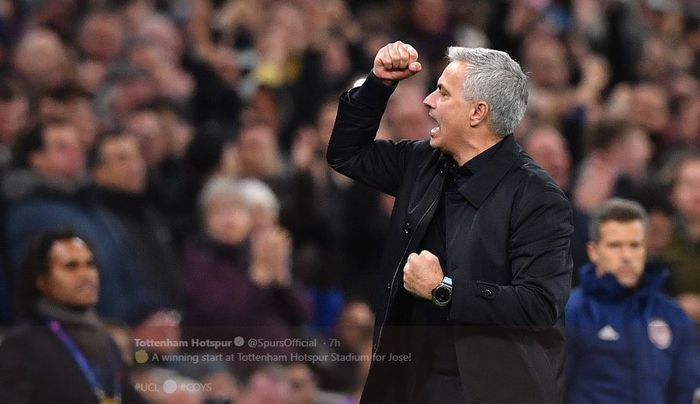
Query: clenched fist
[[422, 273], [396, 61]]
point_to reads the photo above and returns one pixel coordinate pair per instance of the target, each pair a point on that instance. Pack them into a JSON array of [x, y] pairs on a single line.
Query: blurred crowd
[[185, 141]]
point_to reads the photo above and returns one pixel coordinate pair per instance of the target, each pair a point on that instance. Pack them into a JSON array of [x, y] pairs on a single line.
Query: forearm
[[353, 151], [359, 115]]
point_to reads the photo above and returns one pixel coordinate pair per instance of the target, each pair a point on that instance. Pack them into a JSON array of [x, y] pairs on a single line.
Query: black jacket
[[35, 367], [511, 265]]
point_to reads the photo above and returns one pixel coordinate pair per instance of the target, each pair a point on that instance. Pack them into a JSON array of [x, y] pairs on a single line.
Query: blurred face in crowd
[[72, 279], [121, 166], [303, 384], [101, 37], [546, 146], [228, 219], [75, 110], [355, 325], [545, 58], [620, 250], [650, 107], [165, 35], [62, 156], [405, 114], [633, 153], [266, 388], [162, 325], [42, 60], [258, 152], [429, 15], [224, 386], [153, 142], [686, 191]]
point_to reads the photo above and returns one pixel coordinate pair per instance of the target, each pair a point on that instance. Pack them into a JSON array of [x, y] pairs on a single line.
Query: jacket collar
[[480, 185], [70, 315], [608, 288]]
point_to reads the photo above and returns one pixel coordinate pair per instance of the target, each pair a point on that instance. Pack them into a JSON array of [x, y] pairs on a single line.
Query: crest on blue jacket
[[660, 333]]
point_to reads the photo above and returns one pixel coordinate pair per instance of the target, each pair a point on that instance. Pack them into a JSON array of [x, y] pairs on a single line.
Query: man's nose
[[627, 253], [428, 100]]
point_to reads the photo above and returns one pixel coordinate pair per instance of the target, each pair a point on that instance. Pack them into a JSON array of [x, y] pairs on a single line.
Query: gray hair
[[618, 210], [494, 77], [259, 194], [251, 192]]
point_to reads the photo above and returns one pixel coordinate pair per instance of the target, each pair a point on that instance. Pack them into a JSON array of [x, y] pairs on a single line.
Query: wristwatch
[[442, 293]]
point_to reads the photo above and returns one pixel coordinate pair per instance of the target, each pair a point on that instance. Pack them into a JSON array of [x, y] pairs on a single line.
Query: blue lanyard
[[84, 366]]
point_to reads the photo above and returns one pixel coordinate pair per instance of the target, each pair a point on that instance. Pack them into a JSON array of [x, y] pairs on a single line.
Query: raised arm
[[352, 149]]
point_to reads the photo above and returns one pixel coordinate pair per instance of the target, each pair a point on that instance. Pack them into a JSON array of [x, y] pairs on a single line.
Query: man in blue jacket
[[626, 341]]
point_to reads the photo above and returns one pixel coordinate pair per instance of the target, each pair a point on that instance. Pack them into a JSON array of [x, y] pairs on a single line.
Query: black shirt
[[433, 338]]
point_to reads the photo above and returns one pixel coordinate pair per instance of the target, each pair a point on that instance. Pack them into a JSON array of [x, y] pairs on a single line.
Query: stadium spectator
[[119, 178], [46, 191], [61, 352], [239, 283]]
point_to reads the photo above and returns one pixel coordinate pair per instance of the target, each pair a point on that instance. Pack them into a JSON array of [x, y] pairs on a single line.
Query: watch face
[[442, 294]]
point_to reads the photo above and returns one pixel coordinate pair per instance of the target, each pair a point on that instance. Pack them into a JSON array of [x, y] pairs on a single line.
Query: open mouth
[[436, 129]]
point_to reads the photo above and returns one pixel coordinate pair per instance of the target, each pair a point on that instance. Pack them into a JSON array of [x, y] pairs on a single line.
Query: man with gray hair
[[477, 268]]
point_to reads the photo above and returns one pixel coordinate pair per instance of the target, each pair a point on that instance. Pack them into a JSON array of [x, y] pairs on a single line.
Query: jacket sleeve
[[686, 368], [352, 150], [540, 265]]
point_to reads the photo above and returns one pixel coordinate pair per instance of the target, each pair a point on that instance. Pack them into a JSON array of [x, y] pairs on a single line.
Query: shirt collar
[[472, 166], [500, 159]]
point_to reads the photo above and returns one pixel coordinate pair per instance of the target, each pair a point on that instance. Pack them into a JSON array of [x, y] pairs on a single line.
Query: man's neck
[[66, 313], [475, 146]]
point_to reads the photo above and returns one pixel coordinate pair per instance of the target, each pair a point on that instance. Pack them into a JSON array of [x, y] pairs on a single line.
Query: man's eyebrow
[[442, 88]]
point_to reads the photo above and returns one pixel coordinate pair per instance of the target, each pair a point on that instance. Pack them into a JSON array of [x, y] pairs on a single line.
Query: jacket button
[[487, 291], [407, 228], [388, 286]]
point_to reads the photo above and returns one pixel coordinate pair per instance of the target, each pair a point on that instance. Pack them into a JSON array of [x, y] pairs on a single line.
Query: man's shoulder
[[532, 178], [668, 308], [23, 336], [532, 188]]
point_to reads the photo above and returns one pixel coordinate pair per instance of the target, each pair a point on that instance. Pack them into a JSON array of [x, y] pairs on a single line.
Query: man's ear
[[42, 283], [592, 252], [479, 113]]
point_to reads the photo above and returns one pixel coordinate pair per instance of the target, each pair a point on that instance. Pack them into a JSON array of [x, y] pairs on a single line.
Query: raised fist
[[396, 61]]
